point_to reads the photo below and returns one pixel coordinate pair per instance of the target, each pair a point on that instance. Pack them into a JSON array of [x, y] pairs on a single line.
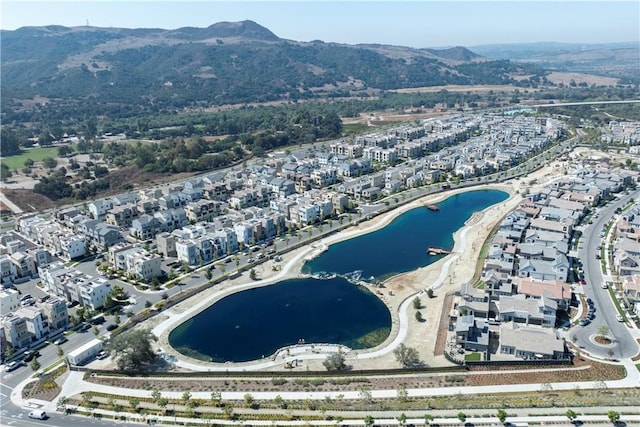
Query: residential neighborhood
[[531, 285]]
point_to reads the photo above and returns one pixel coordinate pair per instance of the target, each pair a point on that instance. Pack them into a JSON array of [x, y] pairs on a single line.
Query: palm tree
[[368, 421]]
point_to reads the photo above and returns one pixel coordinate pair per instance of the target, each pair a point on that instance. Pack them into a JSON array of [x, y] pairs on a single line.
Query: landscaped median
[[205, 397]]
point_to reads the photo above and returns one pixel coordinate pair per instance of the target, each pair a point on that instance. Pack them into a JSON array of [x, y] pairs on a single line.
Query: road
[[624, 345]]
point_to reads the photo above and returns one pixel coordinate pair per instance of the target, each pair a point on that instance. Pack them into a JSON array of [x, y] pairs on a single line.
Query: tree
[[132, 349], [155, 394], [430, 293], [134, 402], [462, 416], [228, 411], [428, 418], [369, 421], [186, 396], [252, 274], [501, 415], [62, 403], [603, 331], [28, 163], [613, 416], [162, 402], [419, 317], [64, 150], [208, 274], [335, 362], [402, 393], [406, 356], [35, 364], [571, 415], [216, 397], [402, 419], [59, 351], [280, 402], [5, 172], [49, 162], [249, 400], [417, 304]]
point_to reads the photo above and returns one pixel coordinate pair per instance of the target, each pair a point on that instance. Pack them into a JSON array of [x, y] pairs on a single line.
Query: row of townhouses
[[22, 323], [527, 268]]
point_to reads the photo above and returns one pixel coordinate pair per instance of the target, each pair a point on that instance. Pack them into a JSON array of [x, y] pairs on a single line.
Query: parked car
[[583, 282], [12, 366], [102, 355], [584, 322], [98, 320], [111, 327], [38, 414], [619, 318], [604, 285], [61, 340], [28, 355]]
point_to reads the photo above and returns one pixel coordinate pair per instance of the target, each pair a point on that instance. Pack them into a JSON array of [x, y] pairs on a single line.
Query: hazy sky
[[409, 23]]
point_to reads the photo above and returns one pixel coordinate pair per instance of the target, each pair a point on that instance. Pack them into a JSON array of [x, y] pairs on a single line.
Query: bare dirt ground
[[590, 79], [459, 88]]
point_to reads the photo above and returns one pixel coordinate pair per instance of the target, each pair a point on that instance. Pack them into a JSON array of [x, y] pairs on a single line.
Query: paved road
[[624, 345]]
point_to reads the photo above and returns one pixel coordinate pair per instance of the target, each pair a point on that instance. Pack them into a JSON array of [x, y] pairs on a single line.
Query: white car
[[604, 285], [38, 414], [619, 318], [11, 366]]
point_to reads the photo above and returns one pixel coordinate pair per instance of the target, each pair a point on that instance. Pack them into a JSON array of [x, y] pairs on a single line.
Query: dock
[[432, 207], [437, 251]]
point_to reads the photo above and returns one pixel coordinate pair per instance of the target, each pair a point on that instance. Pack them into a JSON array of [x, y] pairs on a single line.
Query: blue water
[[253, 324], [402, 245]]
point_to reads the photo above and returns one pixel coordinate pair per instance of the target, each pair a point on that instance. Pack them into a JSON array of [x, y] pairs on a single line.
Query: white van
[[38, 414]]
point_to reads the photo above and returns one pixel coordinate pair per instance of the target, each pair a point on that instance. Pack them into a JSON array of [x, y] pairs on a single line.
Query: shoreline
[[398, 304]]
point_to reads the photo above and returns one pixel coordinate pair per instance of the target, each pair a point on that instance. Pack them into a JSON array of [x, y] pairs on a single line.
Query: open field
[[458, 88], [35, 154], [590, 79]]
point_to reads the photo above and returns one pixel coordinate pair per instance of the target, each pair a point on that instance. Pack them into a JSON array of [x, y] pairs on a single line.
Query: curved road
[[624, 344]]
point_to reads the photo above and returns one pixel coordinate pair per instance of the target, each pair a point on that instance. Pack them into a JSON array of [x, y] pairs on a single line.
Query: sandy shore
[[445, 275]]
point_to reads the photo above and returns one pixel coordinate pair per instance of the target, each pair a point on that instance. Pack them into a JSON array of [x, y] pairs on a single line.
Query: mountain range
[[225, 63]]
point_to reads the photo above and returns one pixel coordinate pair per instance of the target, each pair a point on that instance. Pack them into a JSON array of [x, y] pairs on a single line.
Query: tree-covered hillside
[[123, 72]]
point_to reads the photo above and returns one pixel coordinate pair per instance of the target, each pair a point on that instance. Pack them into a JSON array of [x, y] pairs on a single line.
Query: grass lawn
[[354, 128], [473, 356], [638, 366], [35, 154], [612, 294]]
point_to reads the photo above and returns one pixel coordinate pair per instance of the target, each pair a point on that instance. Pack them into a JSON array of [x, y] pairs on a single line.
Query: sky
[[405, 23]]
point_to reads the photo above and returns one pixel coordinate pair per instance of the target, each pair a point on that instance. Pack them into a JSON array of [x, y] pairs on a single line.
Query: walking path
[[448, 268]]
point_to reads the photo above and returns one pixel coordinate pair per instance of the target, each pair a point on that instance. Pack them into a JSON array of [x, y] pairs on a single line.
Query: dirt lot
[[590, 79]]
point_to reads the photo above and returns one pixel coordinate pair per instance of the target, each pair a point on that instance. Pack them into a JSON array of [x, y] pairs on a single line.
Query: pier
[[437, 251]]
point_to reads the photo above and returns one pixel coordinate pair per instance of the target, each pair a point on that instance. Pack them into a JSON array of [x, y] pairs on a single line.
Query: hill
[[122, 72], [620, 60]]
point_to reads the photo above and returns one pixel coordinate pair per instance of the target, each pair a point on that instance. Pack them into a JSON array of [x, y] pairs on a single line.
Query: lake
[[253, 324]]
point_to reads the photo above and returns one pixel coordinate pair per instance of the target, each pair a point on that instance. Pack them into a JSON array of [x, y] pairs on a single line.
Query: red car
[[583, 282]]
